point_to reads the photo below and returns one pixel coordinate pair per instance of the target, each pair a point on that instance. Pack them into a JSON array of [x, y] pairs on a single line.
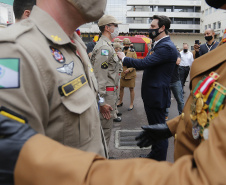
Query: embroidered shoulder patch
[[9, 73], [104, 52], [57, 55], [104, 65]]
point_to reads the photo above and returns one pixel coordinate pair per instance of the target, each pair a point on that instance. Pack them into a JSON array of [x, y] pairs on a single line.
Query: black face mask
[[126, 48], [185, 50], [153, 33], [209, 38], [131, 47], [215, 3]]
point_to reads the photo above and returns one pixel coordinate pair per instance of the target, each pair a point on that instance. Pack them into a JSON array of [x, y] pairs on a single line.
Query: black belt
[[185, 66]]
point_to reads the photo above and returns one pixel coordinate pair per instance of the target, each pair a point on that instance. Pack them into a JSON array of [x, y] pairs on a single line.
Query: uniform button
[[182, 116]]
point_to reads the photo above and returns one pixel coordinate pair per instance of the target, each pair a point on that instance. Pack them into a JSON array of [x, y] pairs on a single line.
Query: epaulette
[[11, 33], [12, 115], [110, 43]]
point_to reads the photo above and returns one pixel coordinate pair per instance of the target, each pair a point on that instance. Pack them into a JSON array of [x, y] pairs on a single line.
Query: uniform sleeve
[[172, 124], [131, 69], [161, 55], [42, 160], [134, 55], [101, 68], [26, 96]]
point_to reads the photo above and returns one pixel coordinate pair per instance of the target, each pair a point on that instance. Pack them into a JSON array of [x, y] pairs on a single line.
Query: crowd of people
[[58, 104]]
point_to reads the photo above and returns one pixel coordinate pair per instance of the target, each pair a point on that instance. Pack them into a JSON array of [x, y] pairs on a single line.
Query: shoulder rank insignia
[[104, 52], [12, 115], [208, 100], [67, 68], [9, 73], [104, 65], [57, 55]]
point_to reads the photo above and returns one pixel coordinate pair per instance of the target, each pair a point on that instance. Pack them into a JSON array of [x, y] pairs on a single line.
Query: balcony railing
[[172, 27], [165, 2], [169, 14]]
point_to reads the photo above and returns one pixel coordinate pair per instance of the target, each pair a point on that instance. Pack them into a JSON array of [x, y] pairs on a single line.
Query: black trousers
[[154, 116], [183, 71]]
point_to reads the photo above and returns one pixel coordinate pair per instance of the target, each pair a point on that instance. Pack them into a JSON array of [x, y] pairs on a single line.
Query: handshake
[[153, 134]]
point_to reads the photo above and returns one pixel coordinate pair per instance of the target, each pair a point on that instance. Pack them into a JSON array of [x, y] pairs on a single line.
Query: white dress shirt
[[186, 58]]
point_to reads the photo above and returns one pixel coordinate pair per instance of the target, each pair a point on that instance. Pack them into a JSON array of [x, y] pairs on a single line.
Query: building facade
[[184, 14], [6, 13], [9, 2], [118, 9], [214, 19]]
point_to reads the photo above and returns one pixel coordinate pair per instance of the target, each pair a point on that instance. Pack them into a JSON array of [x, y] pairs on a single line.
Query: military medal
[[202, 118], [208, 98], [199, 105], [195, 131], [206, 133]]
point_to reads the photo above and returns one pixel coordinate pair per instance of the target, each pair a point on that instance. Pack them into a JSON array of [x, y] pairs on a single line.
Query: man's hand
[[196, 47], [126, 71], [105, 110], [152, 134], [121, 55], [178, 61], [13, 135]]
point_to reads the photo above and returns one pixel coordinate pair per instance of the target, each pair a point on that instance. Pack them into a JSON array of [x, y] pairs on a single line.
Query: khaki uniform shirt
[[45, 59], [106, 66], [181, 126], [132, 71], [202, 163]]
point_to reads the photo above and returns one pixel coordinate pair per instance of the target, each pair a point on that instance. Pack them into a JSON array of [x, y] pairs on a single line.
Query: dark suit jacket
[[203, 49], [158, 69]]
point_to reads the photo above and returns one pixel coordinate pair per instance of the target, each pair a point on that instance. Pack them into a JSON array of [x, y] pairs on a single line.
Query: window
[[183, 21], [210, 10], [183, 9], [206, 12], [219, 24], [139, 47], [155, 8], [205, 27], [209, 25], [214, 26]]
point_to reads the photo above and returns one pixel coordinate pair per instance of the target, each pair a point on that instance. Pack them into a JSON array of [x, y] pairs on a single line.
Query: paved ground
[[133, 120]]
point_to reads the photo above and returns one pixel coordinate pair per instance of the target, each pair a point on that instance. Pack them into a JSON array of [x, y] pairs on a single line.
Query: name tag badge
[[72, 86]]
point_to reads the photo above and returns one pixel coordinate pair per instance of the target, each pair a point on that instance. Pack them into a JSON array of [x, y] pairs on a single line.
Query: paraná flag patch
[[9, 73], [104, 52]]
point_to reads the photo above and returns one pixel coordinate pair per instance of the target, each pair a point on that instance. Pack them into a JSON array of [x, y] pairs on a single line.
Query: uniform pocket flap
[[79, 101]]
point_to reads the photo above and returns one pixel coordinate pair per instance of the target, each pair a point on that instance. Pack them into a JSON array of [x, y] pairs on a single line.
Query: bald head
[[210, 30], [209, 35]]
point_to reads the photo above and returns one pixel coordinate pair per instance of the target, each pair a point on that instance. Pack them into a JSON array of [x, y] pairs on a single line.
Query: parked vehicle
[[140, 44]]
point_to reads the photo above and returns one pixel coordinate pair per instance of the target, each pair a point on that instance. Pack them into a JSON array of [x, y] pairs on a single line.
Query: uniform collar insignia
[[49, 27], [56, 38], [67, 68]]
